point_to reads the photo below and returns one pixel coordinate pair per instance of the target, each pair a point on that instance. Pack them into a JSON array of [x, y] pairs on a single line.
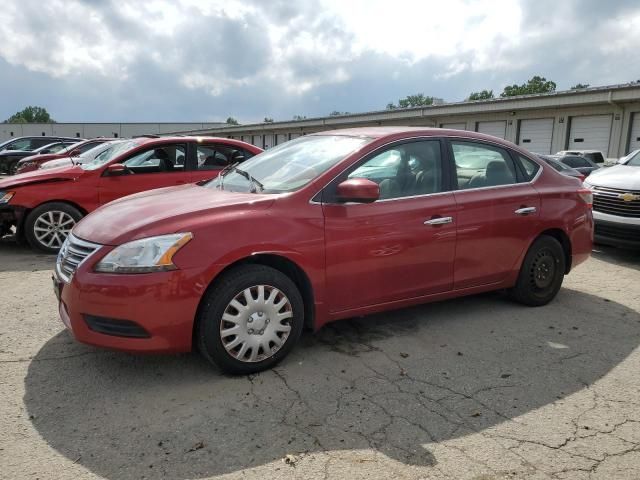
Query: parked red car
[[29, 164], [327, 226], [44, 205]]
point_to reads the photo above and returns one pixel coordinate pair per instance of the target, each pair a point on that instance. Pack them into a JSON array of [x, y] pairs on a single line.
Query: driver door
[[154, 167]]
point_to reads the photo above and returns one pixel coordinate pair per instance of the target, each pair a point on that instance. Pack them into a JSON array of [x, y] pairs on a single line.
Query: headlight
[[6, 196], [153, 254]]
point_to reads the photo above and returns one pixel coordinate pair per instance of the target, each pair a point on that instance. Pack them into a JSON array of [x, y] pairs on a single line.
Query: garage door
[[454, 126], [257, 140], [535, 135], [497, 129], [269, 140], [634, 140], [282, 137], [590, 133]]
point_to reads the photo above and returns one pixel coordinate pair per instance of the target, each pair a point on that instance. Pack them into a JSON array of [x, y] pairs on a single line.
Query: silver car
[[616, 202]]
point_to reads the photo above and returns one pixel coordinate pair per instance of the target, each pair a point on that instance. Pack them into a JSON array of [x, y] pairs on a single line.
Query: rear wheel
[[541, 274], [250, 320], [48, 225]]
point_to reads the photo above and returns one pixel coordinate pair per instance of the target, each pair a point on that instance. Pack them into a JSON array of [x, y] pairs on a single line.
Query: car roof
[[382, 132]]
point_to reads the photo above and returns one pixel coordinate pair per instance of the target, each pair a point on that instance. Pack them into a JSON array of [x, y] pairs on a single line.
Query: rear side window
[[575, 162], [595, 157], [529, 167], [479, 165], [213, 157]]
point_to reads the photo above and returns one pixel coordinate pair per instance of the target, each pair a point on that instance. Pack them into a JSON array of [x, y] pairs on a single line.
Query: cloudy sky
[[189, 60]]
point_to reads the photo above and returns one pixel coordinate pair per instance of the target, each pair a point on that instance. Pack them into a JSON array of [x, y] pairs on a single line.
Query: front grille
[[74, 251], [609, 200]]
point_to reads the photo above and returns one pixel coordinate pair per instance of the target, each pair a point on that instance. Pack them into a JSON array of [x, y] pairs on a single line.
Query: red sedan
[[44, 205], [327, 226]]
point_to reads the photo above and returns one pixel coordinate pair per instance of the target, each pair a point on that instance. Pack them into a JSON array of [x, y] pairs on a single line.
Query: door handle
[[525, 210], [439, 221]]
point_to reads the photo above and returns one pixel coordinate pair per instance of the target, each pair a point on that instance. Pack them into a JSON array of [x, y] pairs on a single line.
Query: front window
[[404, 170], [292, 165], [109, 154]]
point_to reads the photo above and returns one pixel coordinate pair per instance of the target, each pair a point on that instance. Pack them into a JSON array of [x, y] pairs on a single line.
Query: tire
[[541, 274], [59, 218], [255, 326]]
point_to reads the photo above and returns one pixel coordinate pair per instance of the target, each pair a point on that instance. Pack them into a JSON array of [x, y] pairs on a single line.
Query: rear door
[[156, 166], [497, 215]]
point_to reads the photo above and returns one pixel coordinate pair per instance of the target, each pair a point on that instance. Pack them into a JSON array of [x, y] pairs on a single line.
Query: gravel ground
[[476, 388]]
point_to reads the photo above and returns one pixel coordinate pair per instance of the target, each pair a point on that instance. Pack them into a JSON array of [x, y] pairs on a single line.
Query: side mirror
[[359, 190], [116, 169]]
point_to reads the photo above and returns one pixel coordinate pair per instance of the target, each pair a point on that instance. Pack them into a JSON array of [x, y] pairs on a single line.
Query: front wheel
[[541, 274], [250, 320], [48, 225]]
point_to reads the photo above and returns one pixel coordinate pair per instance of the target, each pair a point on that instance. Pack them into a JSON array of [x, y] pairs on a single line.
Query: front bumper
[[146, 313], [616, 231]]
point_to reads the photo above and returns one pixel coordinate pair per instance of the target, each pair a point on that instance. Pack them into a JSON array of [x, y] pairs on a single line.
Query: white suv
[[616, 202]]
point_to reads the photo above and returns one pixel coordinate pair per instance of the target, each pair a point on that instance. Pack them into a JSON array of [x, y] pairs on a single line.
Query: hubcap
[[52, 228], [256, 323], [543, 269]]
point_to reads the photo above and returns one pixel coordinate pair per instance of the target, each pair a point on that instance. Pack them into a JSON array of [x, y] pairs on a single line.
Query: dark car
[[32, 143], [9, 158], [579, 163], [34, 162], [558, 166]]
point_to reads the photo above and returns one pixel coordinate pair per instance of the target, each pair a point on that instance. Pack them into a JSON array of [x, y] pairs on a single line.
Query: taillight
[[587, 196]]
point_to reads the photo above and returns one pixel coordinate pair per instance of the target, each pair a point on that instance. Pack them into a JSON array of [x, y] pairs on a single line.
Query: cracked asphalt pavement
[[476, 388]]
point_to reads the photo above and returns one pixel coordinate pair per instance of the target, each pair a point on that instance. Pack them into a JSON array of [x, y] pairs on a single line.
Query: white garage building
[[599, 118], [92, 130]]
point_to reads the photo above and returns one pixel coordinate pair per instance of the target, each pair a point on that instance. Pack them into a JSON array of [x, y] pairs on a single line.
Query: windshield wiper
[[233, 167], [251, 179]]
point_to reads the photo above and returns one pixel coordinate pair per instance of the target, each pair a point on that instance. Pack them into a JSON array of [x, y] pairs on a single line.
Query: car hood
[[618, 176], [71, 172], [163, 211]]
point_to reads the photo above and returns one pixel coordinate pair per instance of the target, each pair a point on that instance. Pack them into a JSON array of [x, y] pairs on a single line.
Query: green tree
[[536, 84], [416, 100], [232, 121], [483, 95], [268, 120], [579, 86], [31, 115]]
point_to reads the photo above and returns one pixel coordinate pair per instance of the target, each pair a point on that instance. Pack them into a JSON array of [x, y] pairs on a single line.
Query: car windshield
[[290, 166], [109, 154], [634, 161]]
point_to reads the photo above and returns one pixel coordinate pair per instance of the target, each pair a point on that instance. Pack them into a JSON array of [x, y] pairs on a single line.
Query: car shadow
[[392, 383], [15, 257], [618, 256]]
